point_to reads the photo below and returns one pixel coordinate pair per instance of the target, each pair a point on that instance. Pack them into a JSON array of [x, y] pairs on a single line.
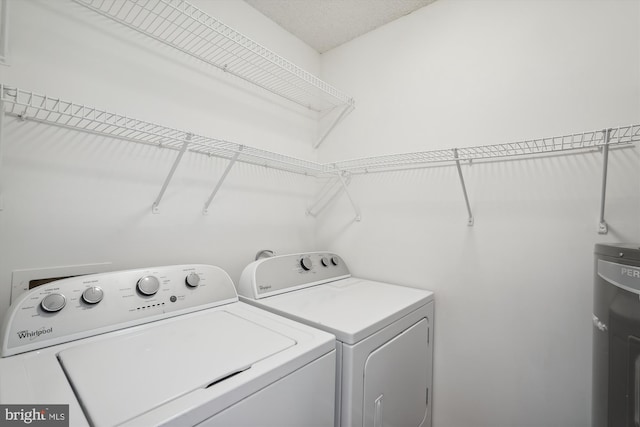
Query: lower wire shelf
[[41, 108]]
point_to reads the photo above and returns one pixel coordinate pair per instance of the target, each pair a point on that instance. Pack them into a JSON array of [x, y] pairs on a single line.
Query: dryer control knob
[[192, 280], [93, 295], [148, 285], [325, 261], [335, 260], [53, 302], [306, 263]]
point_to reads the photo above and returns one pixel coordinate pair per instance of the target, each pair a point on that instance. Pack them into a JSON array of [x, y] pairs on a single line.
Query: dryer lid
[[124, 376], [351, 309]]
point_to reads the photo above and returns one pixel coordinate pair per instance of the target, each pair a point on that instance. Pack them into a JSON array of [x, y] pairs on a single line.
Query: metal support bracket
[[346, 191], [464, 188], [347, 109], [327, 194], [155, 207], [205, 211], [602, 226]]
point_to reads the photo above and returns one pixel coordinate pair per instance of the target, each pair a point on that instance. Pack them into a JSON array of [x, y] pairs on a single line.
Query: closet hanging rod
[[192, 31], [54, 111]]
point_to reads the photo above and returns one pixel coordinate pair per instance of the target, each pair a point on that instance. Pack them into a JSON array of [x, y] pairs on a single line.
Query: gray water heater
[[616, 336]]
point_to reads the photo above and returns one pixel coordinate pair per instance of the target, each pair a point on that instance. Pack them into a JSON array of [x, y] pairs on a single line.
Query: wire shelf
[[41, 108], [183, 26], [579, 141]]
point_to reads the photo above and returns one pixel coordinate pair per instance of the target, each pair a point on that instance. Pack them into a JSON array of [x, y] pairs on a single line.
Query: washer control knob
[[148, 285], [53, 303], [306, 263], [325, 261], [335, 260], [93, 295], [192, 280]]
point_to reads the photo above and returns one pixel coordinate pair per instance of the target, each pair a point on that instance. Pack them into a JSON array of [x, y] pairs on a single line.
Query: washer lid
[[119, 378], [351, 309]]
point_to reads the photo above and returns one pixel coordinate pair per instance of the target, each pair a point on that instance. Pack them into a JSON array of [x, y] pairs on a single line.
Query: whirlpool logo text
[[34, 334]]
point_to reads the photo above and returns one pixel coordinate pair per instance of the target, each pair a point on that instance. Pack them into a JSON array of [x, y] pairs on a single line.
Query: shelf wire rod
[[155, 14], [464, 187], [347, 109], [358, 217], [174, 32], [193, 41], [51, 110], [536, 144], [113, 5], [602, 226], [326, 188], [139, 12], [191, 31], [330, 195], [155, 207], [205, 211], [618, 135]]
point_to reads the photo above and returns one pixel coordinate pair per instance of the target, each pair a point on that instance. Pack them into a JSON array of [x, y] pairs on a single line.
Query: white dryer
[[384, 333], [164, 346]]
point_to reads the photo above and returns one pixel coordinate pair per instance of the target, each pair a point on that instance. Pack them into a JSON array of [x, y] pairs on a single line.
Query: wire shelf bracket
[[205, 210], [464, 188], [327, 194], [603, 228], [155, 208], [346, 109], [355, 207]]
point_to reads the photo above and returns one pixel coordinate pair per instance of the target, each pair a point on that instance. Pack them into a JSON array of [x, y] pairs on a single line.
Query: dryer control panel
[[285, 273], [83, 306]]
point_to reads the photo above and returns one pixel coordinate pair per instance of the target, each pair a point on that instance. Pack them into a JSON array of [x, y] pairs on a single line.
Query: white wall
[[513, 292], [73, 198]]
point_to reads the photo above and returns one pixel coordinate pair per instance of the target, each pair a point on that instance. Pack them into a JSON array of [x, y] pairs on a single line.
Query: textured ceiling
[[325, 24]]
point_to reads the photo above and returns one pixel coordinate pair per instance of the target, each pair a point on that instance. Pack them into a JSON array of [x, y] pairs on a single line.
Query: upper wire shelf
[[183, 26], [578, 141], [41, 108]]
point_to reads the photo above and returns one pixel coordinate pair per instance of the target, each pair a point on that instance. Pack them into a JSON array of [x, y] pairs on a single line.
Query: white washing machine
[[164, 346], [384, 333]]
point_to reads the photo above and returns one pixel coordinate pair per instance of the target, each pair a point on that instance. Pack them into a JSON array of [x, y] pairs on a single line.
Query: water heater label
[[623, 276]]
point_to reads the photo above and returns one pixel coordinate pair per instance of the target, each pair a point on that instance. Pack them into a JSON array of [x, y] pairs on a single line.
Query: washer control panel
[[284, 273], [83, 306]]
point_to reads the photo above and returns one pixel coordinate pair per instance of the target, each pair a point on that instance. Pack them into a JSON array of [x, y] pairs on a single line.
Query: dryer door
[[395, 380]]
